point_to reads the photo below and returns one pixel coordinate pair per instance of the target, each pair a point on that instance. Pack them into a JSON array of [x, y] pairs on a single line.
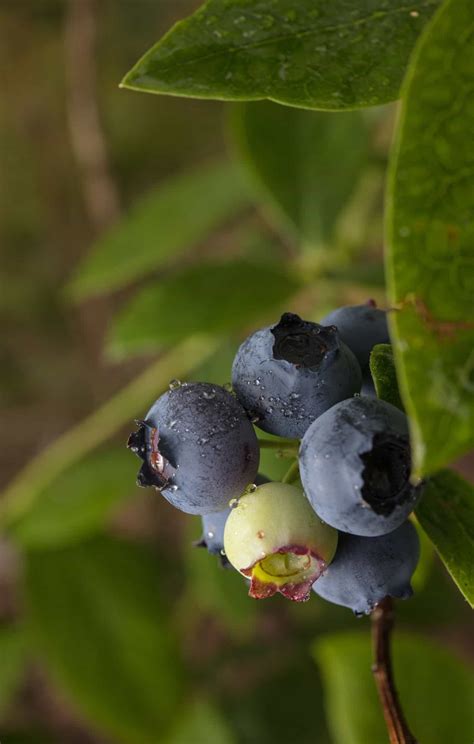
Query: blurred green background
[[142, 237]]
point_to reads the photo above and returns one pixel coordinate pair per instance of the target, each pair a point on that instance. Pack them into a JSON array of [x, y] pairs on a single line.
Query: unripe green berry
[[274, 537]]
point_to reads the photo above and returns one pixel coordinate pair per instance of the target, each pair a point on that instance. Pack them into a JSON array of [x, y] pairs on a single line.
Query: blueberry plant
[[312, 432]]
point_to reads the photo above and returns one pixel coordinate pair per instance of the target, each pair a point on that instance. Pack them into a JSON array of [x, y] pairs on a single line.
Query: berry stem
[[382, 626], [292, 473], [284, 447]]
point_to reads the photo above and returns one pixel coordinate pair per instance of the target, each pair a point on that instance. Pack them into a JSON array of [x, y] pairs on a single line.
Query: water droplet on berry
[[210, 535], [209, 394], [233, 503], [174, 384], [251, 488]]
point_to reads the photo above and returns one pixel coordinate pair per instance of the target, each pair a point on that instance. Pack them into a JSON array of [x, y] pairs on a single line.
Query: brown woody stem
[[382, 625]]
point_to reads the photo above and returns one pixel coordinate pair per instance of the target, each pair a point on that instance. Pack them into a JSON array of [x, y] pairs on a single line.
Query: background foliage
[[149, 258]]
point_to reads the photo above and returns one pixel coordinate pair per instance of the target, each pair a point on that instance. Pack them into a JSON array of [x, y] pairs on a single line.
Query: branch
[[87, 137], [382, 625]]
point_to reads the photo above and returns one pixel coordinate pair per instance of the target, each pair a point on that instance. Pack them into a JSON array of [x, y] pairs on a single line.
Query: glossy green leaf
[[99, 622], [201, 723], [435, 688], [430, 236], [305, 163], [78, 503], [13, 657], [162, 225], [446, 513], [215, 298], [307, 53], [384, 374]]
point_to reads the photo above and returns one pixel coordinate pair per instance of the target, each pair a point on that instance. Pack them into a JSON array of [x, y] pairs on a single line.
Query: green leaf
[[13, 657], [446, 513], [384, 374], [214, 298], [436, 690], [99, 622], [307, 53], [78, 503], [162, 225], [201, 723], [430, 236], [306, 163]]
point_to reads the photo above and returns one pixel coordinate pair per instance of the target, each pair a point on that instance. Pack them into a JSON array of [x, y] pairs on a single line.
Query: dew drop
[[210, 535], [173, 488], [222, 552], [209, 394], [251, 488], [233, 503], [174, 384]]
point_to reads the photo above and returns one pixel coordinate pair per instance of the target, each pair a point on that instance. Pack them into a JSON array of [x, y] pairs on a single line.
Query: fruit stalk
[[382, 626]]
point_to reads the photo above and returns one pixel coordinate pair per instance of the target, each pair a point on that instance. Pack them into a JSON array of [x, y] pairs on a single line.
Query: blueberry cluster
[[338, 523]]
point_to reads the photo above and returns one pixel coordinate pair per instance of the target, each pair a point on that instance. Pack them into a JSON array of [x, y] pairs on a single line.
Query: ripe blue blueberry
[[213, 528], [360, 327], [355, 467], [290, 373], [198, 448], [365, 570]]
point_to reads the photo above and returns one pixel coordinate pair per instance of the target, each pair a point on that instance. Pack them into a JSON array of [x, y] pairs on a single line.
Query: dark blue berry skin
[[355, 467], [287, 375], [365, 570], [360, 327], [213, 528], [198, 446]]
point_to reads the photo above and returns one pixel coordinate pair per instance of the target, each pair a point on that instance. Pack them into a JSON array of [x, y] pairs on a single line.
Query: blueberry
[[213, 528], [198, 446], [360, 327], [275, 539], [355, 467], [367, 569], [290, 373]]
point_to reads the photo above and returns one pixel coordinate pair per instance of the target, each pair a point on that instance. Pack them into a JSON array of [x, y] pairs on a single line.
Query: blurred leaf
[[446, 513], [99, 622], [307, 53], [13, 652], [78, 503], [201, 723], [436, 690], [161, 225], [214, 298], [217, 369], [219, 591], [384, 374], [430, 237], [281, 698], [306, 163]]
